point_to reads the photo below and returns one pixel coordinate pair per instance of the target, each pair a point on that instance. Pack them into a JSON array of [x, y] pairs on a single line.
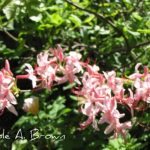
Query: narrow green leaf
[[146, 31], [76, 20]]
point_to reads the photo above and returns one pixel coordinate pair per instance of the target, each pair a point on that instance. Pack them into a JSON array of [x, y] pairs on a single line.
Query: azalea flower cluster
[[141, 82], [7, 84], [53, 67], [99, 94], [102, 92]]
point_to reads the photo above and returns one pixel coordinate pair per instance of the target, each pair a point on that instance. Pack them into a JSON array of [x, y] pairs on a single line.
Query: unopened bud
[[31, 105]]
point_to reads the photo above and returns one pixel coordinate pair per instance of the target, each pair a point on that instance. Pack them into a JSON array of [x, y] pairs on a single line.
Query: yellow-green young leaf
[[105, 4], [127, 30], [148, 23], [89, 19], [146, 31], [76, 20], [136, 16], [56, 19], [53, 8], [115, 13], [75, 1]]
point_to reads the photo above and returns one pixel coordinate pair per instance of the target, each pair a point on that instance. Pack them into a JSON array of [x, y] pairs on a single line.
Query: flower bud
[[31, 105]]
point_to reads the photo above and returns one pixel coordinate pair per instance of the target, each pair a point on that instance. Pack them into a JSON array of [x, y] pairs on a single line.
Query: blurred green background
[[114, 34]]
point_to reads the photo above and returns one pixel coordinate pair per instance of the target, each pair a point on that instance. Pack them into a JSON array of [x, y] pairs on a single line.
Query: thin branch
[[98, 15], [124, 49], [137, 46], [92, 12], [10, 35], [24, 91], [137, 6], [142, 44], [16, 40]]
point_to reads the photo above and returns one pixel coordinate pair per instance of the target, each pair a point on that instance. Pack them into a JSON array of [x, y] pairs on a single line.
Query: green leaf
[[89, 19], [57, 107], [36, 18], [19, 145], [115, 143], [9, 10], [103, 31], [56, 19], [127, 30], [76, 20], [146, 31], [133, 33], [69, 86], [4, 3], [136, 16]]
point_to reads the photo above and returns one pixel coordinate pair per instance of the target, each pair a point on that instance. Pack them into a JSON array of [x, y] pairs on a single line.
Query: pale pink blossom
[[47, 75], [58, 53], [90, 110], [111, 116], [43, 59], [43, 74], [141, 82], [137, 74], [115, 83], [72, 67], [31, 75], [52, 63]]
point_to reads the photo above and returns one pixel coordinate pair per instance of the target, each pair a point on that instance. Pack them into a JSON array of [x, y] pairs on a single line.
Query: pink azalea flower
[[74, 60], [31, 75], [43, 59], [43, 74], [70, 69], [115, 83], [47, 75], [58, 53], [137, 74], [91, 111], [111, 116], [142, 84]]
